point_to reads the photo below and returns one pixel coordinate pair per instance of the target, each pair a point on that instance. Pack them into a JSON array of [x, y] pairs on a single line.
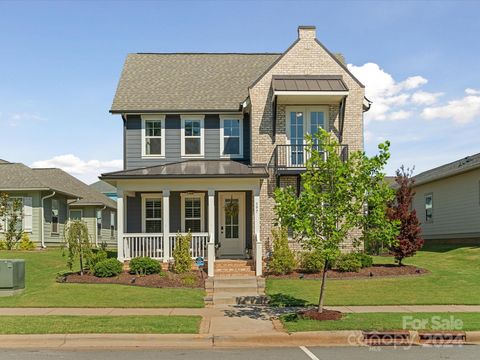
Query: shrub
[[25, 243], [348, 262], [181, 254], [311, 262], [365, 259], [144, 266], [108, 268], [283, 259], [94, 257], [3, 245], [189, 280]]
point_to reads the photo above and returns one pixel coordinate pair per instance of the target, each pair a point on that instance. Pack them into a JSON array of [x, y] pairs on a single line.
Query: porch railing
[[152, 245], [198, 245], [140, 244]]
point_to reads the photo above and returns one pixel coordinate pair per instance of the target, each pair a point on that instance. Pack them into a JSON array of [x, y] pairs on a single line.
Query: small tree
[[409, 237], [331, 204], [283, 259], [182, 260], [77, 244], [11, 214]]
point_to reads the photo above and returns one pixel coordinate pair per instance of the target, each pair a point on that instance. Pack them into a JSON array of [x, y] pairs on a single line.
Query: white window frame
[[58, 217], [157, 117], [307, 110], [151, 196], [112, 223], [201, 196], [425, 207], [222, 137], [4, 226], [70, 211], [193, 117]]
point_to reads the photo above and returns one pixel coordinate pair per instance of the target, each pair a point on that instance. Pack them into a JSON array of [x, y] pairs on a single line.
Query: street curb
[[194, 341]]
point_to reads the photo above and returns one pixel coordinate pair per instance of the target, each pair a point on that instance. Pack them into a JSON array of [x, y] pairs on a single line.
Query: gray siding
[[133, 140], [456, 207]]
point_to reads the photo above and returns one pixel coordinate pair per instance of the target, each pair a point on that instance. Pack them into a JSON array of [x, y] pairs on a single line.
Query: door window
[[231, 218]]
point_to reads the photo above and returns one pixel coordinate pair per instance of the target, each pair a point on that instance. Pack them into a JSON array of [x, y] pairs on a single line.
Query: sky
[[60, 62]]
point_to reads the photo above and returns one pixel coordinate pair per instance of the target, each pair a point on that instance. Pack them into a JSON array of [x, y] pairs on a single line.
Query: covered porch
[[221, 213]]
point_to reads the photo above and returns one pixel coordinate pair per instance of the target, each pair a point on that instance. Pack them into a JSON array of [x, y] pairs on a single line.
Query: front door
[[231, 224]]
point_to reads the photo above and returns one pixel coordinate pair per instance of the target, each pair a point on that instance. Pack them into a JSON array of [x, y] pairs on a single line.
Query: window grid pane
[[153, 137], [231, 136], [153, 215], [193, 214]]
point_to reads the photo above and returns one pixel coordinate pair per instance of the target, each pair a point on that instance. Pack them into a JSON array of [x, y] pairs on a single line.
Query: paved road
[[417, 353]]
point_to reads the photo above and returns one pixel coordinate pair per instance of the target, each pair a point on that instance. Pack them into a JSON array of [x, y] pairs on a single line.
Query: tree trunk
[[322, 287]]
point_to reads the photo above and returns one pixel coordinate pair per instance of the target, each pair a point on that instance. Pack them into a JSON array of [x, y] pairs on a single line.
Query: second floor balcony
[[292, 159]]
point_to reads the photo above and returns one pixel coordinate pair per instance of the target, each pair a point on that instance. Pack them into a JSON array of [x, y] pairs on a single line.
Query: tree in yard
[[409, 237], [77, 244], [10, 218], [331, 205]]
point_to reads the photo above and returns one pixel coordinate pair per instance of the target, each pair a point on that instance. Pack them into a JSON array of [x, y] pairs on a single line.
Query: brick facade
[[305, 57]]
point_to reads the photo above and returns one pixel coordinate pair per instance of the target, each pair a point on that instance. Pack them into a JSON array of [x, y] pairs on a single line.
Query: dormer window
[[153, 141], [192, 135]]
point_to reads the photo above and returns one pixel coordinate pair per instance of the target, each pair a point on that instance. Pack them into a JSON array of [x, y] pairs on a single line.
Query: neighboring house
[[106, 189], [50, 197], [208, 137], [447, 201]]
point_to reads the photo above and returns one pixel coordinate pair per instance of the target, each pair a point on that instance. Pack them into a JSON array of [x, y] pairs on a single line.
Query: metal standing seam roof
[[308, 83], [86, 194], [188, 82], [457, 167], [192, 169]]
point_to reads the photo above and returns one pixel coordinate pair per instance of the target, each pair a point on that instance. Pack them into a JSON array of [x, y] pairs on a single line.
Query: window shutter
[[27, 214]]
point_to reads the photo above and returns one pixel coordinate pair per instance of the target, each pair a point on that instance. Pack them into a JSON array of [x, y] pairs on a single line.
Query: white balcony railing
[[141, 244], [198, 245], [152, 245]]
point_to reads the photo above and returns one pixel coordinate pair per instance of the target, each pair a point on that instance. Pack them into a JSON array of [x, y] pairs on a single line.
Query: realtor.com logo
[[435, 323]]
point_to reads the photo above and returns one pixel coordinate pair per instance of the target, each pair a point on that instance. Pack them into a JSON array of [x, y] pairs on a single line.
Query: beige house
[[208, 137], [447, 201]]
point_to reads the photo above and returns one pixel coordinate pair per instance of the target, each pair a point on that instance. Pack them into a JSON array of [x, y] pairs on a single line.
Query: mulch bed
[[374, 271], [313, 314], [166, 280]]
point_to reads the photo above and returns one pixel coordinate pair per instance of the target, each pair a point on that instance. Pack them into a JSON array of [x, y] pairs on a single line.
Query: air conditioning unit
[[12, 276]]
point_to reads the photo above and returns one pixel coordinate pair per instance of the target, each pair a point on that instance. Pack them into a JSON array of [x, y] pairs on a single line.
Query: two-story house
[[208, 136]]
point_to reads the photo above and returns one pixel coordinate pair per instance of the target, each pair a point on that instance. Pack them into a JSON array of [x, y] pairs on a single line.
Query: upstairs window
[[153, 139], [231, 134], [192, 135], [55, 216], [429, 208]]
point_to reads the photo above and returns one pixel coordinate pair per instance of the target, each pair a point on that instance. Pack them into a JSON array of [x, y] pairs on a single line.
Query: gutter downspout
[[96, 229], [42, 235]]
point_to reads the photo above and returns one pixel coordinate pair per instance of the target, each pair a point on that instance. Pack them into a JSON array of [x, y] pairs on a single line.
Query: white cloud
[[387, 94], [461, 111], [86, 170], [17, 119], [425, 98]]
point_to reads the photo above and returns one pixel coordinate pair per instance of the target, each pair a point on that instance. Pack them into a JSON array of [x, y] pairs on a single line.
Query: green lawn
[[387, 321], [43, 291], [100, 324], [454, 278]]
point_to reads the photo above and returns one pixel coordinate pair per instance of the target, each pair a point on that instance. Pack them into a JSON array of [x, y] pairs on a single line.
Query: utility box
[[12, 276]]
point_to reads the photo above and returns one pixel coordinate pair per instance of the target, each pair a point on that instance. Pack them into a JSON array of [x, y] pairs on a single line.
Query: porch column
[[166, 224], [120, 223], [258, 242], [211, 232]]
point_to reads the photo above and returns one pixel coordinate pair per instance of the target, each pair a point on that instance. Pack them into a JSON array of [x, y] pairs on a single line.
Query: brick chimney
[[307, 32]]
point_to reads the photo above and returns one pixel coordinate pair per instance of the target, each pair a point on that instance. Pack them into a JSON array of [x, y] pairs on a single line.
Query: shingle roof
[[4, 161], [192, 169], [17, 176], [88, 195], [174, 82], [308, 83], [468, 163], [103, 187]]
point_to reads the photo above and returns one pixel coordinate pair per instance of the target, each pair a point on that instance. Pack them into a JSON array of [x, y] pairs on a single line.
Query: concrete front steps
[[234, 282]]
